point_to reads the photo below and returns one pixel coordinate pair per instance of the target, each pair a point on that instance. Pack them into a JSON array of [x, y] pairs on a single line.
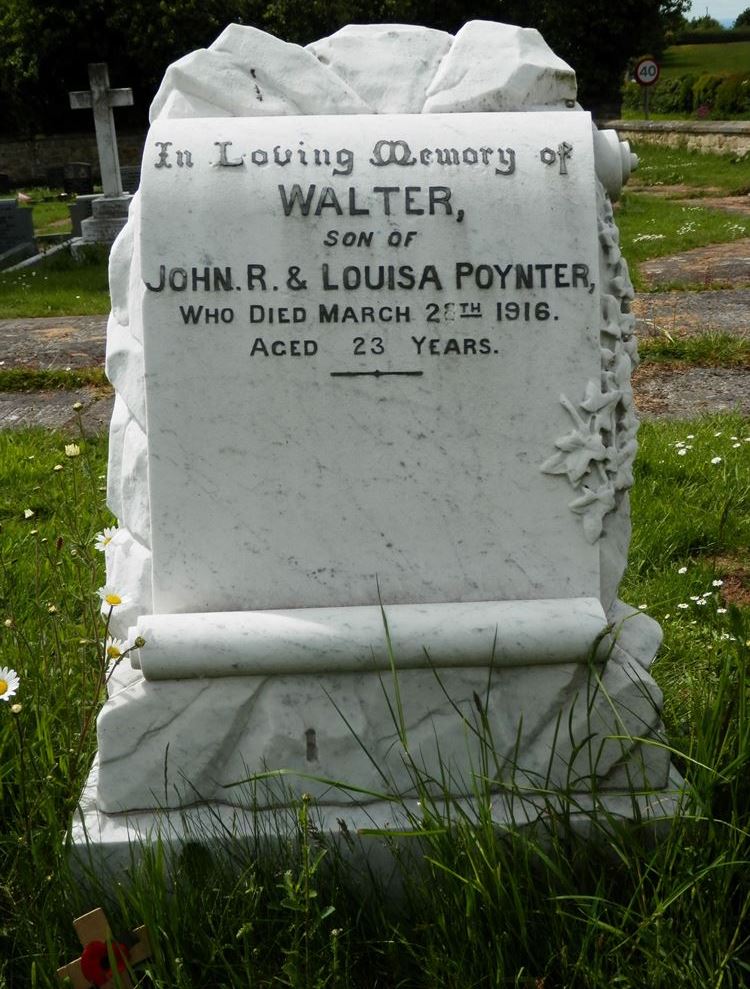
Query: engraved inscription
[[382, 263]]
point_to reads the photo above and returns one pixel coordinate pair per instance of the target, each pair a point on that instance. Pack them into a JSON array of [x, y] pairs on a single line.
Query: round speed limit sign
[[647, 71]]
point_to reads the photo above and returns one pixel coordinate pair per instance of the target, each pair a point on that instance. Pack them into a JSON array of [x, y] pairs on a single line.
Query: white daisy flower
[[715, 460], [682, 570], [9, 681], [721, 611], [72, 450], [683, 605], [717, 583], [28, 513], [116, 649], [112, 598], [105, 537]]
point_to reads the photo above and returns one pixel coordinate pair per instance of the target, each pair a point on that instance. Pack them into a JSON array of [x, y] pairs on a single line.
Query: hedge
[[706, 96]]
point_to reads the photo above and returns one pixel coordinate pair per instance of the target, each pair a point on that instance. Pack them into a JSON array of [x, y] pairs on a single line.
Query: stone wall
[[26, 161], [722, 136]]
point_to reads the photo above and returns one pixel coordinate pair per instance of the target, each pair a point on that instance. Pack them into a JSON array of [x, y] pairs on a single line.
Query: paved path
[[692, 313], [720, 265], [678, 391], [53, 342]]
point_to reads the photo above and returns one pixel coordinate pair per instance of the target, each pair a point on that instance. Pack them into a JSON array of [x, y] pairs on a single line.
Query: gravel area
[[53, 342], [678, 391], [725, 265], [692, 313]]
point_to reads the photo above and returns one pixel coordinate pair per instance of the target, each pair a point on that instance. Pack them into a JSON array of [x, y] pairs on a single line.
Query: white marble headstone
[[356, 335], [372, 346]]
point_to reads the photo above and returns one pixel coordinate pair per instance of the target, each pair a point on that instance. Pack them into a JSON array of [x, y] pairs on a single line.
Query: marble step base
[[111, 845]]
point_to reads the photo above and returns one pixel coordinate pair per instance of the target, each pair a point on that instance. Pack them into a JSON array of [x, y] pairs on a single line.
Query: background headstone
[[55, 176], [131, 177], [16, 233], [80, 210], [78, 178]]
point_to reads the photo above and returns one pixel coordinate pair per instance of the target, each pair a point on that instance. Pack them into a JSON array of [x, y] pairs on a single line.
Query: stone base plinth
[[110, 845], [109, 214]]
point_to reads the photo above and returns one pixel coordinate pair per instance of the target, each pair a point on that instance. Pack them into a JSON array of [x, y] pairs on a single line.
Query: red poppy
[[95, 961]]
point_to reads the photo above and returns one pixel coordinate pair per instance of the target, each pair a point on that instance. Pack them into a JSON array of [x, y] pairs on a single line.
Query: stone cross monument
[[110, 212]]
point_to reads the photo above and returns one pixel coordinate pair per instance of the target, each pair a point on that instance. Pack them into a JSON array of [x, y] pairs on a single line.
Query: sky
[[722, 10]]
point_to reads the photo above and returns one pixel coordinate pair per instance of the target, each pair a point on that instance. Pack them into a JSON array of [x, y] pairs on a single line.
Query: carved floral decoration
[[597, 455]]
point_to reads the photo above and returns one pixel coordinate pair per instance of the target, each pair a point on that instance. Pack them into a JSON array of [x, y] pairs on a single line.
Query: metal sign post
[[646, 74]]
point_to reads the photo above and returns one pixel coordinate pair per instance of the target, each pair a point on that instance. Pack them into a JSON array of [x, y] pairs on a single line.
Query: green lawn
[[652, 227], [531, 909], [51, 218], [728, 174], [718, 59], [521, 911], [57, 286]]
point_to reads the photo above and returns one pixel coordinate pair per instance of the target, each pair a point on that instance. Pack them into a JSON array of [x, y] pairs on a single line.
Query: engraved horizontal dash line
[[376, 374]]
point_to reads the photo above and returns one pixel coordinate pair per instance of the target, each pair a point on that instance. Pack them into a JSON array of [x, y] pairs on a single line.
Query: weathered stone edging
[[696, 135]]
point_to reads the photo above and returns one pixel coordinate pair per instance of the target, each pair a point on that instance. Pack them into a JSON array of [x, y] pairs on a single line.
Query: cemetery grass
[[30, 379], [680, 228], [724, 174], [708, 349], [535, 908], [51, 218], [698, 60], [60, 285]]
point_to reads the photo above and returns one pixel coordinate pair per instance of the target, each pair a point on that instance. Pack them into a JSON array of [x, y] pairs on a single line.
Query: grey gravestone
[[109, 211], [80, 210], [371, 345], [78, 178], [131, 177], [55, 176], [16, 233], [4, 183]]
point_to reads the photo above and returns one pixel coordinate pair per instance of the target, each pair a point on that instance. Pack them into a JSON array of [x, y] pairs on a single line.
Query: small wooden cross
[[100, 98], [93, 967]]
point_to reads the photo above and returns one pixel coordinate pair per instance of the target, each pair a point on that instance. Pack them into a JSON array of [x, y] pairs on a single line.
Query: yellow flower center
[[113, 652], [113, 599], [3, 687], [106, 540]]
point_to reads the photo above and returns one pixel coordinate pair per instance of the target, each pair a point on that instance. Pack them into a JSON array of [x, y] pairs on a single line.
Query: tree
[[705, 23], [46, 45], [743, 20]]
